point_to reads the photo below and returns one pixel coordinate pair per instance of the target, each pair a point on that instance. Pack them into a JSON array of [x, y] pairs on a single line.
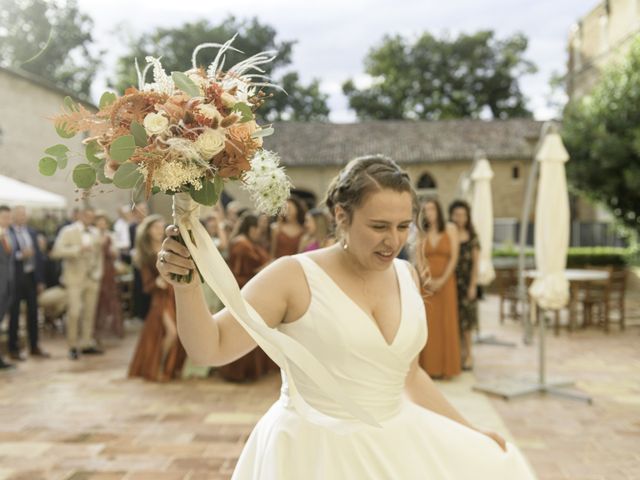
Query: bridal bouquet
[[187, 132]]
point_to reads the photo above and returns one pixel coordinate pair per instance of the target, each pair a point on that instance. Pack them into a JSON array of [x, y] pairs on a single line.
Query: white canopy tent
[[14, 192]]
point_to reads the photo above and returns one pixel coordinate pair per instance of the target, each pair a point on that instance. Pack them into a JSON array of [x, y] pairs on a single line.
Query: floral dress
[[467, 309]]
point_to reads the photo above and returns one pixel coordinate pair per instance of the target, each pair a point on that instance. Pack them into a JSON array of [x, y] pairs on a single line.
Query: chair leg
[[556, 326], [501, 310]]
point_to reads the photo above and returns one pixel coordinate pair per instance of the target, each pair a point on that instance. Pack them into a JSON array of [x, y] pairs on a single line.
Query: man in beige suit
[[78, 245]]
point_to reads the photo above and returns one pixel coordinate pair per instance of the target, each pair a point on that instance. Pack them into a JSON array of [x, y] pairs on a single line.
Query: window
[[426, 182], [515, 172]]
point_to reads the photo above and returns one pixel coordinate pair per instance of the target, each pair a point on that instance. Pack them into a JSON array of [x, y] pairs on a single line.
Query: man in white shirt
[[78, 245], [122, 240]]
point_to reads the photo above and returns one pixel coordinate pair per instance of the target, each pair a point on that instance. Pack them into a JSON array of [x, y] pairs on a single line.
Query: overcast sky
[[334, 36]]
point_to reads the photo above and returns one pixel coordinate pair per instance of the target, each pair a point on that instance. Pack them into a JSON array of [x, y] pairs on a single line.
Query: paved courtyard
[[63, 420]]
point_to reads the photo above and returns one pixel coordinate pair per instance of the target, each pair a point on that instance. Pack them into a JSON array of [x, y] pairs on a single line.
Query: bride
[[358, 310]]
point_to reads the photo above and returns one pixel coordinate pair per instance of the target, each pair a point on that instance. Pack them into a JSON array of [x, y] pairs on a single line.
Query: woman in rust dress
[[109, 309], [159, 355], [288, 231], [246, 258], [438, 250]]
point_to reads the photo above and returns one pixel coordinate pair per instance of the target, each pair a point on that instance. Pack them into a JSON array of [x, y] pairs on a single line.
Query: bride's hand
[[174, 258]]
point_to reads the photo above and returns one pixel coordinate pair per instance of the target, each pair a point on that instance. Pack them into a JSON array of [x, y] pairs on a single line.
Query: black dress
[[467, 309]]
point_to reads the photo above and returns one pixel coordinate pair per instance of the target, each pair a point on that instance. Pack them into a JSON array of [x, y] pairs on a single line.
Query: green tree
[[602, 134], [51, 39], [175, 46], [442, 78]]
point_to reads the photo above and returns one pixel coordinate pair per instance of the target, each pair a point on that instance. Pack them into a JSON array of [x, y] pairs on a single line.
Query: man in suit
[[6, 269], [78, 246], [29, 282]]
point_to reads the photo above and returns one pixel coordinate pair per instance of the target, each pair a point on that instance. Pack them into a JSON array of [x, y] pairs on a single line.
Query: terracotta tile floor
[[84, 420]]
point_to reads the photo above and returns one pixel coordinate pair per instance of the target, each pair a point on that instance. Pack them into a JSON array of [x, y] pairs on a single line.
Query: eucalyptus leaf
[[70, 104], [244, 110], [57, 151], [102, 178], [84, 176], [263, 132], [127, 176], [47, 166], [91, 150], [62, 162], [139, 134], [63, 131], [106, 99], [207, 195], [122, 148], [185, 84]]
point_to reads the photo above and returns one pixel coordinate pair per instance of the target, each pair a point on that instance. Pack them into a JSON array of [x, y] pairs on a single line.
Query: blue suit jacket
[[39, 258]]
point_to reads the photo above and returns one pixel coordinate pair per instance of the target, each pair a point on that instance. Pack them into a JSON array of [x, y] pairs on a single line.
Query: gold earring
[[345, 246]]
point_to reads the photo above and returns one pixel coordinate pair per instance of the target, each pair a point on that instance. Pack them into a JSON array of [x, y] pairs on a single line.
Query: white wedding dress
[[410, 443]]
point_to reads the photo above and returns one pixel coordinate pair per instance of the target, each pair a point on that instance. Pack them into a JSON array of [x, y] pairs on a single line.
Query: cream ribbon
[[287, 352]]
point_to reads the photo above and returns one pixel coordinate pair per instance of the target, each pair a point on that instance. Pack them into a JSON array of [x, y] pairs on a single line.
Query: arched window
[[426, 182]]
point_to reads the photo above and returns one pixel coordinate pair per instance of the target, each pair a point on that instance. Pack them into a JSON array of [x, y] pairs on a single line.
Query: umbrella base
[[492, 340], [511, 389]]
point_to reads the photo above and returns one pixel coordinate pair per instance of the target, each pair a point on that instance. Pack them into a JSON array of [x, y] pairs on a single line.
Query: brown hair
[[362, 176], [323, 225], [467, 208], [144, 254], [246, 221], [423, 223]]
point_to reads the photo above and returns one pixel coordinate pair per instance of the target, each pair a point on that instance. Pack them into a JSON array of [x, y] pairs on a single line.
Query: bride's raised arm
[[220, 339]]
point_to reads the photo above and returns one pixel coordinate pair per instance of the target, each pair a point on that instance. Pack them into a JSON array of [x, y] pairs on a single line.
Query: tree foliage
[[602, 134], [444, 78], [51, 39], [175, 46]]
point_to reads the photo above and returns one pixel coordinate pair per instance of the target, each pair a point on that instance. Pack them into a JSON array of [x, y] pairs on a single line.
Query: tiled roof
[[314, 143]]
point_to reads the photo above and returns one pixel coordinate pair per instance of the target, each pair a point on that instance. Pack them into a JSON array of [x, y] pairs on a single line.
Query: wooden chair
[[605, 297], [506, 283]]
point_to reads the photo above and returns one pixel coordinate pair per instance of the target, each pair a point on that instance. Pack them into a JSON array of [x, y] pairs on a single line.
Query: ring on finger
[[162, 257]]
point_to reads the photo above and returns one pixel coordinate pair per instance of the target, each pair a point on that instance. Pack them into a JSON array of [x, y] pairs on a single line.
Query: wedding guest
[[159, 355], [28, 283], [53, 300], [109, 309], [264, 231], [6, 270], [78, 246], [232, 214], [287, 232], [438, 249], [122, 238], [246, 259], [466, 277], [317, 226], [141, 300]]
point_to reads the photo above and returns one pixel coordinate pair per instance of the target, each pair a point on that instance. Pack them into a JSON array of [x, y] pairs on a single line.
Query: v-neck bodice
[[349, 343]]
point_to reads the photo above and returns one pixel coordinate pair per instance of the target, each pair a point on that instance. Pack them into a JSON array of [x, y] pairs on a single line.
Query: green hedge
[[582, 256]]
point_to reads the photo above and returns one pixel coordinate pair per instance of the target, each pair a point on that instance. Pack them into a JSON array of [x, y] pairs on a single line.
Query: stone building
[[27, 104], [600, 37], [435, 154]]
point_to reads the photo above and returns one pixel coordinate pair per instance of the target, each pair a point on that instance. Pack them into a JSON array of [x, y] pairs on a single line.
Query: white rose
[[155, 123], [228, 100], [210, 112], [210, 142]]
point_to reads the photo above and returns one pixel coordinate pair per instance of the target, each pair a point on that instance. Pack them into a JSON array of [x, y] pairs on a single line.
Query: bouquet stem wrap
[[288, 353]]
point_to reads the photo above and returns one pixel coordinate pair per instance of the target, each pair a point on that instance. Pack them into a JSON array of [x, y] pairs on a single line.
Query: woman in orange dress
[[159, 355], [288, 231], [109, 310], [438, 251], [246, 258]]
